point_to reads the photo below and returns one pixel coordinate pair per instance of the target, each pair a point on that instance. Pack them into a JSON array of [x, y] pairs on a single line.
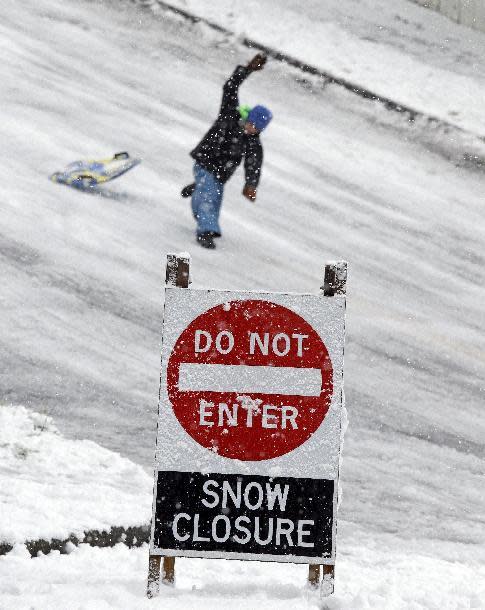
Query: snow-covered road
[[343, 179]]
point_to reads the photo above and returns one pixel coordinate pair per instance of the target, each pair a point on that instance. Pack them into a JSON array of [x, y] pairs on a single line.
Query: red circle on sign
[[244, 408]]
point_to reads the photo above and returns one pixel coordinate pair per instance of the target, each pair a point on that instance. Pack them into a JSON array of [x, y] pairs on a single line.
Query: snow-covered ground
[[343, 179], [53, 487], [375, 573]]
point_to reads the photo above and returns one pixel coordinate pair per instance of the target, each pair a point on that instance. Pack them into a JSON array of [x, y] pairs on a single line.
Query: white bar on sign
[[241, 378]]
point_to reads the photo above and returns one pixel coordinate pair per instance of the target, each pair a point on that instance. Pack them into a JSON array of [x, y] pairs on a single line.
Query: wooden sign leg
[[177, 273], [334, 283], [328, 582], [335, 280], [153, 586], [168, 571], [314, 575]]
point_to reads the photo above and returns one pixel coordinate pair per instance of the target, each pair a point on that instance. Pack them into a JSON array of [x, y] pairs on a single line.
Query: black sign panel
[[244, 514]]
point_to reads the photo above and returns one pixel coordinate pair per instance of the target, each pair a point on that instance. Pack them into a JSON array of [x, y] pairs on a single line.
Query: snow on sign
[[249, 426]]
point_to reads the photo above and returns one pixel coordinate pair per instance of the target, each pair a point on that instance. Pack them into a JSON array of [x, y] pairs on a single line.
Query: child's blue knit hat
[[260, 117]]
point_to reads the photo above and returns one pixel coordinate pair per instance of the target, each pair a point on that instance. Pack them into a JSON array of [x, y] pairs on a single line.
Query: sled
[[91, 173]]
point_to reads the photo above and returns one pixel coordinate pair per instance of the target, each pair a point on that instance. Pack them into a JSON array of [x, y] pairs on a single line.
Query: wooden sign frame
[[178, 275]]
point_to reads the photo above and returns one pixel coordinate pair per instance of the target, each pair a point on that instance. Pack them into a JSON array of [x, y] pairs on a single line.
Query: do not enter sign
[[250, 380], [249, 426]]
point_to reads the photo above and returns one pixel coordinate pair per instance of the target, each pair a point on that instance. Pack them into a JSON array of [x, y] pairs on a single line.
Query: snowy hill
[[343, 179], [396, 50]]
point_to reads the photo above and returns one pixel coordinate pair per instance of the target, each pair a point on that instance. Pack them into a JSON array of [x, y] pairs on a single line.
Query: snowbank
[[378, 573], [53, 487]]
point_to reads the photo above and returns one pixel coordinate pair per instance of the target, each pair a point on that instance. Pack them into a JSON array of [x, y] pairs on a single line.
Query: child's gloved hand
[[257, 62], [250, 193]]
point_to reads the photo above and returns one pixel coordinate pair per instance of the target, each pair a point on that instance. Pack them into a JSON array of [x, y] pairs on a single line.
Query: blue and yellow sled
[[87, 174]]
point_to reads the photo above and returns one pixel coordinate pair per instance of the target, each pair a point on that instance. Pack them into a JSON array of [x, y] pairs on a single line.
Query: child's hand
[[257, 62], [250, 193]]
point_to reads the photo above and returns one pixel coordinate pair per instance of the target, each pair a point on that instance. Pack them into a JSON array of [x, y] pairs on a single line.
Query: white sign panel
[[249, 426]]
